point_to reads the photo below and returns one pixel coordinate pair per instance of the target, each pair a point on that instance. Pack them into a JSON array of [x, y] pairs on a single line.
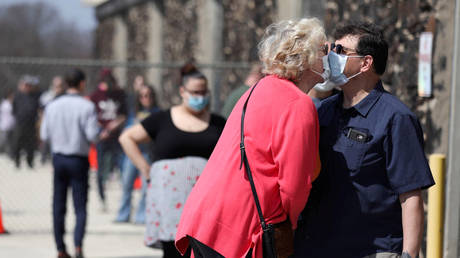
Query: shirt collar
[[365, 105]]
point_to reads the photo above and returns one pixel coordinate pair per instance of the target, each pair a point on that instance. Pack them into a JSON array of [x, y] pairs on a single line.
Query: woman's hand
[[146, 173]]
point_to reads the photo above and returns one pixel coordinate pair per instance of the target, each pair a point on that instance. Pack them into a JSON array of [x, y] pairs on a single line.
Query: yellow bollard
[[435, 227]]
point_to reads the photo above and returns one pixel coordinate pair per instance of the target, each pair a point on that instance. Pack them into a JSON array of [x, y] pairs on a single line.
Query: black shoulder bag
[[271, 247]]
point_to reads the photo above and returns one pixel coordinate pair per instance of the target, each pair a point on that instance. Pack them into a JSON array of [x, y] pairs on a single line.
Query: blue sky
[[70, 10]]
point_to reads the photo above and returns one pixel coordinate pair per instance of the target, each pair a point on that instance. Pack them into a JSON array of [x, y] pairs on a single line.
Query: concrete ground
[[25, 199]]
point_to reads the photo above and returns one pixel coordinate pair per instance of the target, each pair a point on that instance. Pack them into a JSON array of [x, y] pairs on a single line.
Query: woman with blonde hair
[[279, 142]]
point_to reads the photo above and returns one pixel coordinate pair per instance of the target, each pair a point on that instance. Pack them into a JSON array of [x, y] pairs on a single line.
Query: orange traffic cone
[[137, 183], [92, 158], [2, 229]]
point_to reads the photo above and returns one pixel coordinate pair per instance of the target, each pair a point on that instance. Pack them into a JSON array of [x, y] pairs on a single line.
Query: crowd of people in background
[[166, 149], [20, 117], [58, 124], [21, 113]]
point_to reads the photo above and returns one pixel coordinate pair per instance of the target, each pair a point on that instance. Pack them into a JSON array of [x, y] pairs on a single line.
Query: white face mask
[[326, 70], [337, 65], [325, 86]]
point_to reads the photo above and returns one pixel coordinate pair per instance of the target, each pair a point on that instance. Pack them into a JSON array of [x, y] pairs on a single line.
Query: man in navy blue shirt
[[367, 200]]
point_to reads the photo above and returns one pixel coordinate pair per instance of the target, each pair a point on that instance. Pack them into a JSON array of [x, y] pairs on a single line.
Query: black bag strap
[[244, 159]]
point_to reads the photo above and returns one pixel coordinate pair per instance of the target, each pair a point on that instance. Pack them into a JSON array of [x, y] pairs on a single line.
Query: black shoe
[[63, 255], [78, 252]]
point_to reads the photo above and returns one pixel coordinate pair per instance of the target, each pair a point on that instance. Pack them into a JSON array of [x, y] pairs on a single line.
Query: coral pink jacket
[[281, 138]]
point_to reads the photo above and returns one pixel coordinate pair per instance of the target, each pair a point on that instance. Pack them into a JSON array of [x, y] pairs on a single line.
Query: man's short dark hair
[[371, 42], [74, 77]]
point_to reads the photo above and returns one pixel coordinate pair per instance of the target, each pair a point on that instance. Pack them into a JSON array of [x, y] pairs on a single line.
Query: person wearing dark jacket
[[110, 102], [25, 111]]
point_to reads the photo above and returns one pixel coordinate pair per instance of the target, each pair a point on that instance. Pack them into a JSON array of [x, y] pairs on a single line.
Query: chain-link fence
[[26, 192], [164, 77]]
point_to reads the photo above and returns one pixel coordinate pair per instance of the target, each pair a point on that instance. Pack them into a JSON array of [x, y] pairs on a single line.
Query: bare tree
[[37, 30]]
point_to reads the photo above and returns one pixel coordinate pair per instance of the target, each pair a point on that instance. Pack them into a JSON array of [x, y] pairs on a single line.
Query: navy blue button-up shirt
[[370, 154]]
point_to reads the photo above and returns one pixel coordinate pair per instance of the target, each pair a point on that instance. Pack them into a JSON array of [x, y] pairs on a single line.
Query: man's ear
[[368, 63], [82, 85]]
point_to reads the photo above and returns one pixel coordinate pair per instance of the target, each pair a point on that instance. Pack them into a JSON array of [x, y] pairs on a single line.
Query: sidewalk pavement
[[25, 199]]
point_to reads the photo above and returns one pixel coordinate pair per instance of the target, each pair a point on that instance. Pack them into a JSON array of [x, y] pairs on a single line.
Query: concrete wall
[[438, 112], [244, 25], [179, 43], [155, 43], [136, 19], [210, 35], [120, 48], [104, 38]]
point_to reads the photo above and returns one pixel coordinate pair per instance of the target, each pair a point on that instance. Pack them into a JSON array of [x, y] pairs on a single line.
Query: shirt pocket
[[349, 152]]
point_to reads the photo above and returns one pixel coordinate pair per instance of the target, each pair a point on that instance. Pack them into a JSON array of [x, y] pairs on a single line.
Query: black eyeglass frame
[[340, 49], [197, 92], [325, 49]]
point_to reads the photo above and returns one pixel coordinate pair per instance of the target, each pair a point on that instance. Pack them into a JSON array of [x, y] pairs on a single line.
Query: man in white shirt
[[7, 123], [70, 125]]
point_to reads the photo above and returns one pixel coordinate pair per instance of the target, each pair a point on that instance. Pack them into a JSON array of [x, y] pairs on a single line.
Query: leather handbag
[[277, 239]]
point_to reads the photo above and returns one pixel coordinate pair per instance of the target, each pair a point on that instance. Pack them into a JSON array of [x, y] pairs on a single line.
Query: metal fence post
[[435, 226], [453, 168]]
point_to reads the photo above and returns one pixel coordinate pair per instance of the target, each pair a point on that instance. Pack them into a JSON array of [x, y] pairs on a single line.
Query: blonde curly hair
[[291, 46]]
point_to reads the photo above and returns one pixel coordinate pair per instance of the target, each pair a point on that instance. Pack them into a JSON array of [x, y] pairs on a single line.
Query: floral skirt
[[171, 181]]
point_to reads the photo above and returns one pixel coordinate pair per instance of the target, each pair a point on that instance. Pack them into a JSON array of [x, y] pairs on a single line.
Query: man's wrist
[[407, 255]]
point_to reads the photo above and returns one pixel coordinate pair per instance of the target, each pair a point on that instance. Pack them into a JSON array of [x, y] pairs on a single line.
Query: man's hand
[[104, 135]]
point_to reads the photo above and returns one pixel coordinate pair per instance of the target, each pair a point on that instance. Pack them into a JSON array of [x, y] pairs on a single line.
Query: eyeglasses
[[145, 96], [341, 50], [197, 92]]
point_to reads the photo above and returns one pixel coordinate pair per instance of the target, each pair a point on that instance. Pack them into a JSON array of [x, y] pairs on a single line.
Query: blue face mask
[[337, 65], [336, 78], [198, 103]]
